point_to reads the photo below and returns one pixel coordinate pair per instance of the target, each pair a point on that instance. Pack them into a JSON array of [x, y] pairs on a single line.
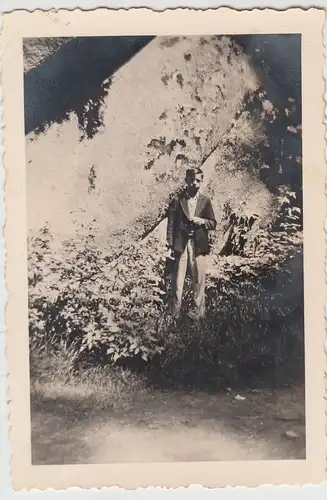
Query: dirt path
[[171, 426]]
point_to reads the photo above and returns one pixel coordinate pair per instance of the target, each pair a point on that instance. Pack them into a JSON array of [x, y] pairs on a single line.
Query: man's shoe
[[193, 316]]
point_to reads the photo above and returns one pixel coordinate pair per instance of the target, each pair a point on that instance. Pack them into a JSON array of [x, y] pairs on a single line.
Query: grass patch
[[93, 387]]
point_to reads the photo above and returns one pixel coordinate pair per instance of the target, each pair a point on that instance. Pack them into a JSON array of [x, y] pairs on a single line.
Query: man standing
[[190, 218]]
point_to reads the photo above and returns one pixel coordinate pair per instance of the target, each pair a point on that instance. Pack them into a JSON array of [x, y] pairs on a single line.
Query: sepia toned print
[[167, 251]]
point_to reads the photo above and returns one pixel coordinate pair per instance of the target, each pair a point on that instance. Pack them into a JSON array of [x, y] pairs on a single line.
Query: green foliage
[[253, 329], [114, 310], [104, 310]]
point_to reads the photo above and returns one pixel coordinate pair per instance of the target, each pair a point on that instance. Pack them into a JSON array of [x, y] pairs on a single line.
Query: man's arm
[[208, 221], [170, 223]]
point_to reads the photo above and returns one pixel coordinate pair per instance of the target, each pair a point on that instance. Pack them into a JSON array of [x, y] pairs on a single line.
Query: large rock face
[[37, 50], [117, 158]]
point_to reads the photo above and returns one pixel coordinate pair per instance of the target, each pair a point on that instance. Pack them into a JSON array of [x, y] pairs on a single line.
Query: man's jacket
[[180, 227]]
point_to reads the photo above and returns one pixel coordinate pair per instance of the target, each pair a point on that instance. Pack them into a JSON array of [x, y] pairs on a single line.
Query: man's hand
[[198, 221], [170, 254]]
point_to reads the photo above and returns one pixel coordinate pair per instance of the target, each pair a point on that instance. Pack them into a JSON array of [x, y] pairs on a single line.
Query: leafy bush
[[253, 329], [83, 300], [114, 310]]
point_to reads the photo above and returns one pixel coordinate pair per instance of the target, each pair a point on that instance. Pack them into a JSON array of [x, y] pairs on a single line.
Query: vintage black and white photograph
[[166, 260], [165, 250]]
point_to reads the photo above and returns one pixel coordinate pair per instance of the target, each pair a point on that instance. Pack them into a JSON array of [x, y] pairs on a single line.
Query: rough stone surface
[[174, 99]]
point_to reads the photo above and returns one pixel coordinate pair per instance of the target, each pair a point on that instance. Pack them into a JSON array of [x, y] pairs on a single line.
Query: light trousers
[[197, 269]]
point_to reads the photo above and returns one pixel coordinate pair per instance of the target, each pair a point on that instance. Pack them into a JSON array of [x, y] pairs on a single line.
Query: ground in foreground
[[170, 426]]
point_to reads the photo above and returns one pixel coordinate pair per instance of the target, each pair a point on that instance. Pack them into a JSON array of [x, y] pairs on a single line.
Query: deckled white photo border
[[104, 22]]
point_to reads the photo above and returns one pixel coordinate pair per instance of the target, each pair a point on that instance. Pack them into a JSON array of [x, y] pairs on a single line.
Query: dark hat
[[192, 172]]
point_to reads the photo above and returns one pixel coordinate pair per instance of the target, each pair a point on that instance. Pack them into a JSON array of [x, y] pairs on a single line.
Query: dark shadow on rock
[[76, 79], [277, 61], [279, 57]]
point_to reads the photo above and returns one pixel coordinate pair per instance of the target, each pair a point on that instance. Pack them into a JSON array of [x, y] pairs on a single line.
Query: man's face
[[193, 183]]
